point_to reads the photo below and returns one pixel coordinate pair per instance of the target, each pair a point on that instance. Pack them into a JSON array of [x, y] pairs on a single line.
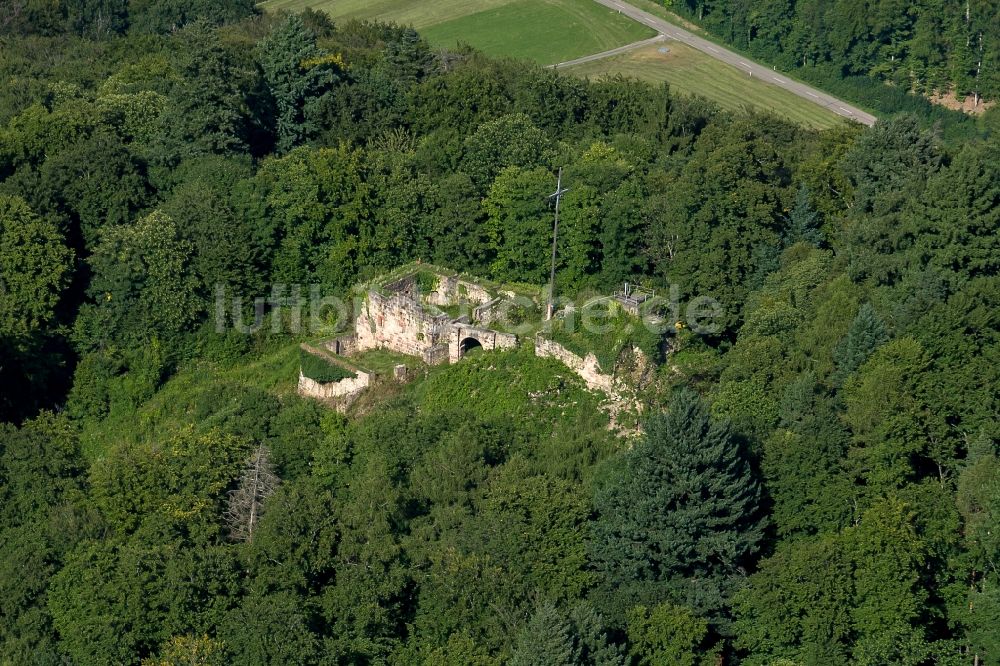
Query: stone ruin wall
[[488, 312], [437, 354], [397, 322], [454, 290], [403, 285], [345, 345], [488, 339], [345, 388], [339, 394], [588, 369], [394, 319]]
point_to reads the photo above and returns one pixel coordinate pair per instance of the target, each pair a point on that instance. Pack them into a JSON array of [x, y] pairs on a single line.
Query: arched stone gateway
[[467, 345], [464, 338]]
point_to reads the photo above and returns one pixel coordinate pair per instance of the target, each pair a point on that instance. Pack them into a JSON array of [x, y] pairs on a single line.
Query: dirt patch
[[654, 54], [950, 100]]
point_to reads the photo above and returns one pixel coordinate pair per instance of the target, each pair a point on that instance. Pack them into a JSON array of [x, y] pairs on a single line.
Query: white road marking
[[812, 94]]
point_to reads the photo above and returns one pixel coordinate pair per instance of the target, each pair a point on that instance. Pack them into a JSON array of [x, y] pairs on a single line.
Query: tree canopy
[[814, 480]]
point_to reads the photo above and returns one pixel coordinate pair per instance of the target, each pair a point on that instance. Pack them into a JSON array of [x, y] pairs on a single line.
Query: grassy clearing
[[691, 72], [419, 14], [383, 362], [546, 31]]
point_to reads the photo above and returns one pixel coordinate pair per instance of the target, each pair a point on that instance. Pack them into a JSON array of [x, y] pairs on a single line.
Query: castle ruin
[[395, 315], [429, 313]]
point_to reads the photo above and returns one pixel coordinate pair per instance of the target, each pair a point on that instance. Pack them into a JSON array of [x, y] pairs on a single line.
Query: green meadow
[[553, 31], [692, 72], [546, 31]]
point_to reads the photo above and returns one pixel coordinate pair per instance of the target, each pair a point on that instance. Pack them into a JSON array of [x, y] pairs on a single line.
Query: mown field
[[546, 31], [552, 31], [692, 72]]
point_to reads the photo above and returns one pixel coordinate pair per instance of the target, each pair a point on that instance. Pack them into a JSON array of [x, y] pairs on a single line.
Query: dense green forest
[[817, 483], [928, 46]]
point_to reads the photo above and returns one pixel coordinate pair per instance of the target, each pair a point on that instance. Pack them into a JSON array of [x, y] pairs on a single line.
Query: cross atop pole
[[557, 195]]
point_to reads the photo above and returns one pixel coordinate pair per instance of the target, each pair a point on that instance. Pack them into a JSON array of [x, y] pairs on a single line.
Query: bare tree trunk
[[979, 68], [246, 502]]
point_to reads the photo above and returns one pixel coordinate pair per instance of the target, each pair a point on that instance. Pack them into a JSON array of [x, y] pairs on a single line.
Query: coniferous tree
[[803, 224], [409, 56], [545, 640], [592, 640], [298, 74], [678, 516], [551, 636], [867, 333]]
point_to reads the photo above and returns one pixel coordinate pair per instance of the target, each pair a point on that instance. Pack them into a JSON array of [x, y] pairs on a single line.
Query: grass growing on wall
[[319, 369]]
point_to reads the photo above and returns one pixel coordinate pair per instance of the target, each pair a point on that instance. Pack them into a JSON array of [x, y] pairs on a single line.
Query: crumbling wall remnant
[[587, 368], [397, 322], [341, 394], [483, 337]]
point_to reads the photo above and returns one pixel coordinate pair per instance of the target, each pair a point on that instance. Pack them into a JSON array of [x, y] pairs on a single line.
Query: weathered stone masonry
[[345, 388], [399, 322], [588, 368], [395, 316], [339, 394]]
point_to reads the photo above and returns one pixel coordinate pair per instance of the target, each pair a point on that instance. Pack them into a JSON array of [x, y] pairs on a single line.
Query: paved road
[[613, 52], [752, 69]]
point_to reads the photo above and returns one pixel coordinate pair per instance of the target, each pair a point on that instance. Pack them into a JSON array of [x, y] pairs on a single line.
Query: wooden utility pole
[[557, 195]]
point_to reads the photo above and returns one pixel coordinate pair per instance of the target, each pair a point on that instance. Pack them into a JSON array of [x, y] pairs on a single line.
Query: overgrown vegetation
[[319, 369], [817, 482], [603, 327]]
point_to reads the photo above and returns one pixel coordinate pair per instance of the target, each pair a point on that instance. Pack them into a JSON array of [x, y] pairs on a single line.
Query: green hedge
[[321, 370]]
